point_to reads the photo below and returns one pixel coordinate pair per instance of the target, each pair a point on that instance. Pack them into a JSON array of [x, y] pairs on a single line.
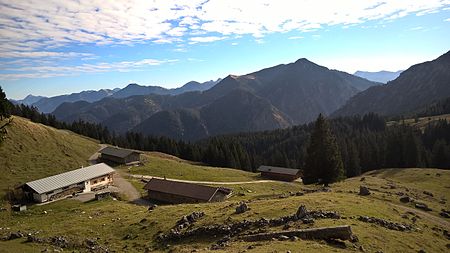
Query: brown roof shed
[[189, 191]]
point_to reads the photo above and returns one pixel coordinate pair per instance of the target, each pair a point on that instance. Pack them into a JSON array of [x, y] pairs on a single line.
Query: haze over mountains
[[271, 98], [28, 100], [49, 104], [415, 88], [379, 76]]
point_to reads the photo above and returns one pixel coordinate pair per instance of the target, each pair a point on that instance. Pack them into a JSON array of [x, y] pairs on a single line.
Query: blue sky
[[58, 47]]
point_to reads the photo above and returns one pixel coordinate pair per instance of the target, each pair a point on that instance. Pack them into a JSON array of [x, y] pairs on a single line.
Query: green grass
[[100, 219], [159, 165], [32, 151], [422, 122], [71, 218]]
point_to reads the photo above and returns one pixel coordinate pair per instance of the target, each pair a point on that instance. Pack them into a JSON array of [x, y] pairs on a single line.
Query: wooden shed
[[119, 156], [175, 192], [279, 173]]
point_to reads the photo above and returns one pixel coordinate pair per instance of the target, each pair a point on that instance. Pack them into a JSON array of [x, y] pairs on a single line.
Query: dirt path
[[129, 190], [428, 216], [205, 182], [93, 159]]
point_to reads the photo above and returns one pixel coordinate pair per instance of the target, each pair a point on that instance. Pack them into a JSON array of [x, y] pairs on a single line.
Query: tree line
[[363, 142]]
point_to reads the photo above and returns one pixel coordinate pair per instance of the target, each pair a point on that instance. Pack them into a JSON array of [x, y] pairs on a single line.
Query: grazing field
[[121, 226], [421, 122], [32, 151], [159, 165]]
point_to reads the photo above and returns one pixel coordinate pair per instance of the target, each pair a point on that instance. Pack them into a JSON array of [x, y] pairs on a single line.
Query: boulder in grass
[[364, 191], [242, 208]]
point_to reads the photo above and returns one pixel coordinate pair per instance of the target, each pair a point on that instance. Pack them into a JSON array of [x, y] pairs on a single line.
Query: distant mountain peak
[[302, 60], [133, 84], [382, 76]]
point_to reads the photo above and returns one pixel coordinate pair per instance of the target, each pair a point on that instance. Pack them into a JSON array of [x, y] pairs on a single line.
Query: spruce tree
[[323, 159], [4, 105]]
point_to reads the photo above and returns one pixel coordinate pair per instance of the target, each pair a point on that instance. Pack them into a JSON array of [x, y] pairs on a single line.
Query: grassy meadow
[[121, 226]]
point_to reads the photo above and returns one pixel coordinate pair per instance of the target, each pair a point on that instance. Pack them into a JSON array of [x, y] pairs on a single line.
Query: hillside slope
[[415, 88], [118, 225], [31, 151]]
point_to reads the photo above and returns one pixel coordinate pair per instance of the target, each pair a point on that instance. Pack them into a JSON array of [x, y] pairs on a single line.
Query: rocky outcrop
[[405, 199], [423, 206], [445, 213], [188, 220], [387, 224], [325, 233], [364, 191], [236, 228], [242, 208]]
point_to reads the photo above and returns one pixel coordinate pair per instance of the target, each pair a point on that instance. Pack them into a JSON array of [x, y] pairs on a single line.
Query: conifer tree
[[323, 160], [4, 105]]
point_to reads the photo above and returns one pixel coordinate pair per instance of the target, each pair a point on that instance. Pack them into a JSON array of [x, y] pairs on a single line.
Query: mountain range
[[380, 76], [271, 98], [49, 104], [415, 88]]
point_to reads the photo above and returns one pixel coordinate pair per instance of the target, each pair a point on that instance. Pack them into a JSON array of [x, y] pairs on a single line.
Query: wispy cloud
[[206, 39], [295, 37], [45, 71], [51, 24], [34, 29]]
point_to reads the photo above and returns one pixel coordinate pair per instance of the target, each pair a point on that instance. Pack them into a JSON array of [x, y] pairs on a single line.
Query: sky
[[51, 47]]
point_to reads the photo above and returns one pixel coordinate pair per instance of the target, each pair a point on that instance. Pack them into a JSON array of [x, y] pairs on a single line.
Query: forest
[[365, 143]]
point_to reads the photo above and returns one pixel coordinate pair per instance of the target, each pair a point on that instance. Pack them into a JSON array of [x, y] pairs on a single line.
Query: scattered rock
[[445, 213], [60, 241], [428, 193], [354, 239], [361, 248], [387, 224], [232, 229], [283, 238], [15, 235], [364, 191], [423, 207], [308, 220], [301, 212], [446, 234], [242, 208], [405, 199], [362, 179]]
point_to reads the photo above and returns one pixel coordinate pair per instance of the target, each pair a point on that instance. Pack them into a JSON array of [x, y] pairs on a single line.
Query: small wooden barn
[[175, 192], [86, 179], [279, 173], [119, 156]]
